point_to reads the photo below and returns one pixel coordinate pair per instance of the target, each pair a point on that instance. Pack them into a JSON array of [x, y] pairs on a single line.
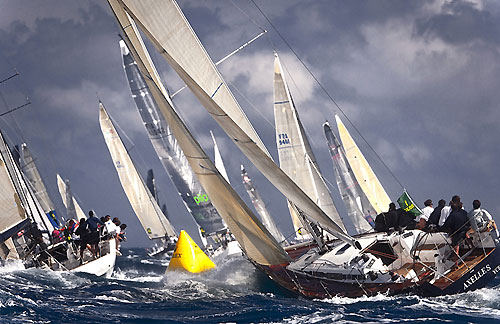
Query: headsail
[[30, 170], [359, 209], [73, 209], [260, 206], [169, 152], [219, 164], [364, 174], [144, 205], [254, 238], [295, 154], [165, 25]]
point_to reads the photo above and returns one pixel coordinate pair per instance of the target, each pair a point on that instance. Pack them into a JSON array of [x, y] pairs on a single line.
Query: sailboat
[[359, 209], [73, 209], [154, 222], [366, 264], [211, 226], [25, 229]]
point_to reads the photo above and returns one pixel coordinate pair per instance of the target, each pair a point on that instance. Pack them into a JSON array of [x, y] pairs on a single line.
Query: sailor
[[427, 211], [385, 221], [111, 227], [445, 212], [93, 221], [436, 214], [121, 236], [84, 234], [456, 225], [480, 219]]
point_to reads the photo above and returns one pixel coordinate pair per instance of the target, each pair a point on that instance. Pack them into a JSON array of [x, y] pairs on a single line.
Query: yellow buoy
[[188, 256]]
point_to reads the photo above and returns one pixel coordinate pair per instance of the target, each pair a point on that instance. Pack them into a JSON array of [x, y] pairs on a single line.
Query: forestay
[[166, 26], [359, 209], [168, 150], [254, 238], [142, 201], [295, 154], [364, 174]]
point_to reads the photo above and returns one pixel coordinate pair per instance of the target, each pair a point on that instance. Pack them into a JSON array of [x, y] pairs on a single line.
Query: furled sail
[[73, 209], [359, 209], [364, 174], [165, 25], [253, 237], [169, 152], [30, 170], [260, 206], [144, 205], [295, 154], [219, 164]]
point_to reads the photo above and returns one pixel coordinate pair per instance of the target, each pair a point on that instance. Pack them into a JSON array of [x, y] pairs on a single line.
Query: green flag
[[408, 205]]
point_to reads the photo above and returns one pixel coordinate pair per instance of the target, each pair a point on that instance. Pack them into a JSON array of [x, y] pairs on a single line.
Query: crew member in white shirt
[[427, 211]]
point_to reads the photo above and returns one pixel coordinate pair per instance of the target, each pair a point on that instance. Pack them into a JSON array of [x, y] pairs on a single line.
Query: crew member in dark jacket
[[456, 224], [385, 221], [434, 218]]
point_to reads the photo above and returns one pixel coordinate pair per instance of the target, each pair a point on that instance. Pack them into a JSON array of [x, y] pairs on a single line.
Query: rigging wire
[[326, 92]]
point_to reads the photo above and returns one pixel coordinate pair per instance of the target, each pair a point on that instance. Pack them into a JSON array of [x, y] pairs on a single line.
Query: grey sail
[[171, 156], [151, 184], [260, 206], [30, 170], [359, 209]]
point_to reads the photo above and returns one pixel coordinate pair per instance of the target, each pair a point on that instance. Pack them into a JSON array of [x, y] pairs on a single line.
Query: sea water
[[139, 291]]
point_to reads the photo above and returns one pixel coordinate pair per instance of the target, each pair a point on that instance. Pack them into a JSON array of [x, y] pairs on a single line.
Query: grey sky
[[419, 79]]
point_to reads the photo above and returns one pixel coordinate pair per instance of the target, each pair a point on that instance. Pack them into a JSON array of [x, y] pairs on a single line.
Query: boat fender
[[357, 245]]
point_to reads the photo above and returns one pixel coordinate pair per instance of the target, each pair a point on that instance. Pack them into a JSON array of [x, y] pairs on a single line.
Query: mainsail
[[144, 205], [165, 25], [254, 238], [364, 174], [260, 206], [295, 154], [30, 170], [359, 209], [73, 209], [169, 152]]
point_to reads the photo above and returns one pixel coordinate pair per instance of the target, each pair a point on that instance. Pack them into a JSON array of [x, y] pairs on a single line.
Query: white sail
[[166, 26], [143, 203], [219, 164], [364, 174], [73, 209], [11, 208], [253, 237], [260, 206], [359, 209], [30, 170], [295, 154]]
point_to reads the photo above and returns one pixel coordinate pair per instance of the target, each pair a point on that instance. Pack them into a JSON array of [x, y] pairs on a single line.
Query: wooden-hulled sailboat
[[154, 222], [365, 265], [25, 231]]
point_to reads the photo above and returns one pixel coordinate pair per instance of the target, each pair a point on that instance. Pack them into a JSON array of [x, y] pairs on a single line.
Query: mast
[[254, 239], [170, 154], [143, 203], [367, 179], [260, 206], [165, 25], [295, 154], [359, 209]]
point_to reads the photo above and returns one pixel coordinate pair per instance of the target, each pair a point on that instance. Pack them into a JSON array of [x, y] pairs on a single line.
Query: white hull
[[102, 266]]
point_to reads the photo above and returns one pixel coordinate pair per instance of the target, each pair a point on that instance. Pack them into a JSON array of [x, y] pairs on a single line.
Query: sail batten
[[142, 201], [367, 179], [254, 239]]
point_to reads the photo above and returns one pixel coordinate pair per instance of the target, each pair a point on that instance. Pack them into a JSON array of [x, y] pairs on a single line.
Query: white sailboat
[[295, 154], [370, 264], [154, 222], [73, 209], [25, 229]]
